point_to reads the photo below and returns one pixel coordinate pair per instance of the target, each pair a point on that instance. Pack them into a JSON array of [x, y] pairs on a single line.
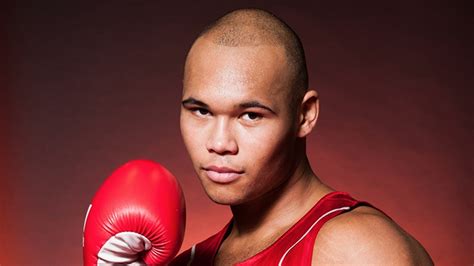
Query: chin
[[222, 202], [224, 198]]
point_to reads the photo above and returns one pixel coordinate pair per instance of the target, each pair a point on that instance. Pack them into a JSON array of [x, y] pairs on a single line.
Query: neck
[[282, 207]]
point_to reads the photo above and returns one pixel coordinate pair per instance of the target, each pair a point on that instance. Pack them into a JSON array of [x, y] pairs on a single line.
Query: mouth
[[222, 175]]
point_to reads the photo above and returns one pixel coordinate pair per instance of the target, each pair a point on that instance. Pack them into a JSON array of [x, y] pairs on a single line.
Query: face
[[236, 120]]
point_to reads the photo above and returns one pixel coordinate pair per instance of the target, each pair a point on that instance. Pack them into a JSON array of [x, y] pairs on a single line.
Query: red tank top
[[294, 247]]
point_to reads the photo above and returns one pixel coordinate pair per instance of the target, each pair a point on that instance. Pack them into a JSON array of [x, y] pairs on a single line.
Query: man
[[246, 112]]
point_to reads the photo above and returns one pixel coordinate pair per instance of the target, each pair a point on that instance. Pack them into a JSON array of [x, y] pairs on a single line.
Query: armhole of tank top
[[309, 230]]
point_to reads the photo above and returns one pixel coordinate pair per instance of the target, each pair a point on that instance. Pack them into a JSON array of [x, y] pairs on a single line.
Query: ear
[[309, 113]]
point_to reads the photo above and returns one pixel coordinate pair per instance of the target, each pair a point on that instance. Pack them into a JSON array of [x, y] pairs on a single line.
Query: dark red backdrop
[[90, 86]]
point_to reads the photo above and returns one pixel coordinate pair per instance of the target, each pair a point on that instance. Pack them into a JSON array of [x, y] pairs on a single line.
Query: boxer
[[246, 112]]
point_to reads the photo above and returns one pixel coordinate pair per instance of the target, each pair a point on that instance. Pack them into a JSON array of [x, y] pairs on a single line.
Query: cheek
[[189, 133], [265, 147]]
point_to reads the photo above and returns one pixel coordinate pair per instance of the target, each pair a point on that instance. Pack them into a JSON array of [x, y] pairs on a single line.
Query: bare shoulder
[[366, 236]]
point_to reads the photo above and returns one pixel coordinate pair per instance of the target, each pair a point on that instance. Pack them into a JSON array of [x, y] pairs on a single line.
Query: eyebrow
[[192, 101], [250, 104], [255, 104]]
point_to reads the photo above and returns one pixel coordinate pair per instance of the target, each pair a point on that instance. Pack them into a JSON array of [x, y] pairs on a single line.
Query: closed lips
[[222, 174]]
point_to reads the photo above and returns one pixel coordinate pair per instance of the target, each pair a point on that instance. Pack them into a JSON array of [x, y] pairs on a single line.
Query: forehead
[[235, 73]]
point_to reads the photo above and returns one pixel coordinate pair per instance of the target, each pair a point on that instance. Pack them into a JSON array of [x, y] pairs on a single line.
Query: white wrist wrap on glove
[[124, 247]]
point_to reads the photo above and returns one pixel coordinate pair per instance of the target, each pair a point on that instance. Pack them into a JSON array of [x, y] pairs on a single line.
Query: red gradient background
[[86, 87]]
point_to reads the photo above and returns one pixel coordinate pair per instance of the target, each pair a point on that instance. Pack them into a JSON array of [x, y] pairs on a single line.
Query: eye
[[251, 116], [200, 111]]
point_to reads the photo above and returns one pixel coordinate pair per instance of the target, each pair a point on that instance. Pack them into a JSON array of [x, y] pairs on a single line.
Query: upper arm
[[366, 237]]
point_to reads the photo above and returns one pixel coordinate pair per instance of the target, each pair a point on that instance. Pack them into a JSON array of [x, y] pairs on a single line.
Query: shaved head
[[246, 106], [255, 27]]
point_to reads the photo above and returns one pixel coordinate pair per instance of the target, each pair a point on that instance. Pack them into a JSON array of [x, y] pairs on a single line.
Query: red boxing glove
[[137, 216]]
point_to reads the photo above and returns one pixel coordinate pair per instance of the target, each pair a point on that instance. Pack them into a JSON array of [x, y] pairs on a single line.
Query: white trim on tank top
[[193, 249], [307, 232]]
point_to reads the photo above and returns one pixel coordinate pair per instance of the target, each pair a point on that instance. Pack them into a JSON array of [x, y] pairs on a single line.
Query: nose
[[221, 140]]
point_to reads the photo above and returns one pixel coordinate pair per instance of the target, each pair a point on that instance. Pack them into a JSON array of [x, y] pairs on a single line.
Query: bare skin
[[366, 236], [236, 115]]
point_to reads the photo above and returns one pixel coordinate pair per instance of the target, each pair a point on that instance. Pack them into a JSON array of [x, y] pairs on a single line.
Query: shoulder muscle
[[366, 236]]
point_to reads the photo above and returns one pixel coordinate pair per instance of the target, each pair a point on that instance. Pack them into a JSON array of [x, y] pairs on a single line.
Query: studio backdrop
[[87, 86]]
